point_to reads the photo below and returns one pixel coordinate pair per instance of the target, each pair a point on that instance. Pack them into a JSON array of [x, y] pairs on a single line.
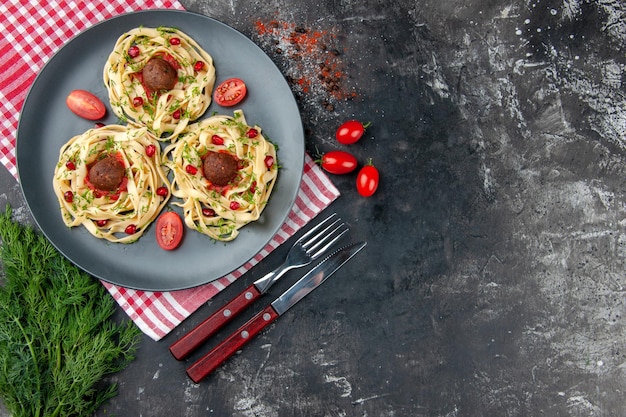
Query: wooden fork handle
[[198, 335]]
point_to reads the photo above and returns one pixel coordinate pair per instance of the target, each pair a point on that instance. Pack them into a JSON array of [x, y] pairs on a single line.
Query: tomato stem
[[318, 156]]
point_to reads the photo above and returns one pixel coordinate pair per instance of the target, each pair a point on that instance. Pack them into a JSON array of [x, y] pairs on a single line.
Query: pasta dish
[[110, 180], [159, 78], [224, 171], [115, 180]]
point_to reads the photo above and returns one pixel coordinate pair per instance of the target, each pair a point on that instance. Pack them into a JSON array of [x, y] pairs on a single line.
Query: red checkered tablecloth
[[31, 32]]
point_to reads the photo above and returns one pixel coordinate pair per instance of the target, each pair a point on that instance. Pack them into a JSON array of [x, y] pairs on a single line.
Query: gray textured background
[[494, 278]]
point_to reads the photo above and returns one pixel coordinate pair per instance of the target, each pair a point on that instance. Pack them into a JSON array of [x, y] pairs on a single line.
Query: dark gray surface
[[493, 281]]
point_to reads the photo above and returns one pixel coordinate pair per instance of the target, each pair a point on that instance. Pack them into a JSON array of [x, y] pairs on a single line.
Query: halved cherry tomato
[[367, 180], [85, 104], [351, 131], [338, 162], [169, 230], [230, 92]]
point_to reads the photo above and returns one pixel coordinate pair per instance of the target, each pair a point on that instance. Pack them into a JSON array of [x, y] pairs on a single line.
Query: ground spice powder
[[313, 67]]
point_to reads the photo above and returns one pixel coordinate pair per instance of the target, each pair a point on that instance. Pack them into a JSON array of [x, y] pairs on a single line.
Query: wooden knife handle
[[199, 334], [209, 362]]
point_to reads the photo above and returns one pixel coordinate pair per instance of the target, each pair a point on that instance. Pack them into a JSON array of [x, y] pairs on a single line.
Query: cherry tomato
[[367, 180], [338, 162], [351, 131], [230, 92], [85, 104], [169, 230]]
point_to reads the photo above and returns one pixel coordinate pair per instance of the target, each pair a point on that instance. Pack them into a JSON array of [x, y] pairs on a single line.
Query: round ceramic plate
[[46, 124]]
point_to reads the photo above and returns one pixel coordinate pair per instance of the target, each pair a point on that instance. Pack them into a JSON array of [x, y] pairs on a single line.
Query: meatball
[[219, 168], [107, 173], [159, 75]]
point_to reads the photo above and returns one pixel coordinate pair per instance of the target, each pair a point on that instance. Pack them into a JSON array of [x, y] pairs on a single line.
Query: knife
[[313, 279], [309, 242]]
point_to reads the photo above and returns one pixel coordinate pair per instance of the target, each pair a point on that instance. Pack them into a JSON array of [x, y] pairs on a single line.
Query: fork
[[305, 250]]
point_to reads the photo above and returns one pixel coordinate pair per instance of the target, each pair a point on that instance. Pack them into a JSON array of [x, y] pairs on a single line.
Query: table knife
[[306, 249], [313, 279]]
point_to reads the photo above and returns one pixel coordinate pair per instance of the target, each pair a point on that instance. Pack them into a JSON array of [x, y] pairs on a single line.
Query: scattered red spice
[[314, 68]]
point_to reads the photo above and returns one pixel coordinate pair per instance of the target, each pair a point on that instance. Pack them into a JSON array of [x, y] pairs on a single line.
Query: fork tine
[[329, 244], [320, 235], [321, 238], [314, 229]]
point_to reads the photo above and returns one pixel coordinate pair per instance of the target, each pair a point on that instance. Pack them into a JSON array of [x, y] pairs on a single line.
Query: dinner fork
[[305, 250]]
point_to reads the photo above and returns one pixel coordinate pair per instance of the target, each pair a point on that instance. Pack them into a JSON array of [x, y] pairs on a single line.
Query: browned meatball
[[219, 168], [159, 75], [107, 173]]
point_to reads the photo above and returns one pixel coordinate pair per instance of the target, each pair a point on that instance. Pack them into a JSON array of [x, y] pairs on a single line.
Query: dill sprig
[[57, 336]]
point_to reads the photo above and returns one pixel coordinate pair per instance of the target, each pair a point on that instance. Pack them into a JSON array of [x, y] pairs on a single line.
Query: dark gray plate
[[46, 124]]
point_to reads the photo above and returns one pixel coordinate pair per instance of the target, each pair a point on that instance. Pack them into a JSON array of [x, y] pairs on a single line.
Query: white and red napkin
[[32, 31]]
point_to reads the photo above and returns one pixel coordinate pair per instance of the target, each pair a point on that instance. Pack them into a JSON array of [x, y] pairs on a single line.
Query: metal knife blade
[[315, 277], [304, 286]]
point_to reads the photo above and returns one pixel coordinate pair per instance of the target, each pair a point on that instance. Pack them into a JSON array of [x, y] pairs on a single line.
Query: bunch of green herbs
[[58, 339]]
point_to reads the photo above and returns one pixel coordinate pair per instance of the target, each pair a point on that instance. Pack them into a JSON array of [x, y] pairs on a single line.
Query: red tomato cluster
[[342, 162]]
